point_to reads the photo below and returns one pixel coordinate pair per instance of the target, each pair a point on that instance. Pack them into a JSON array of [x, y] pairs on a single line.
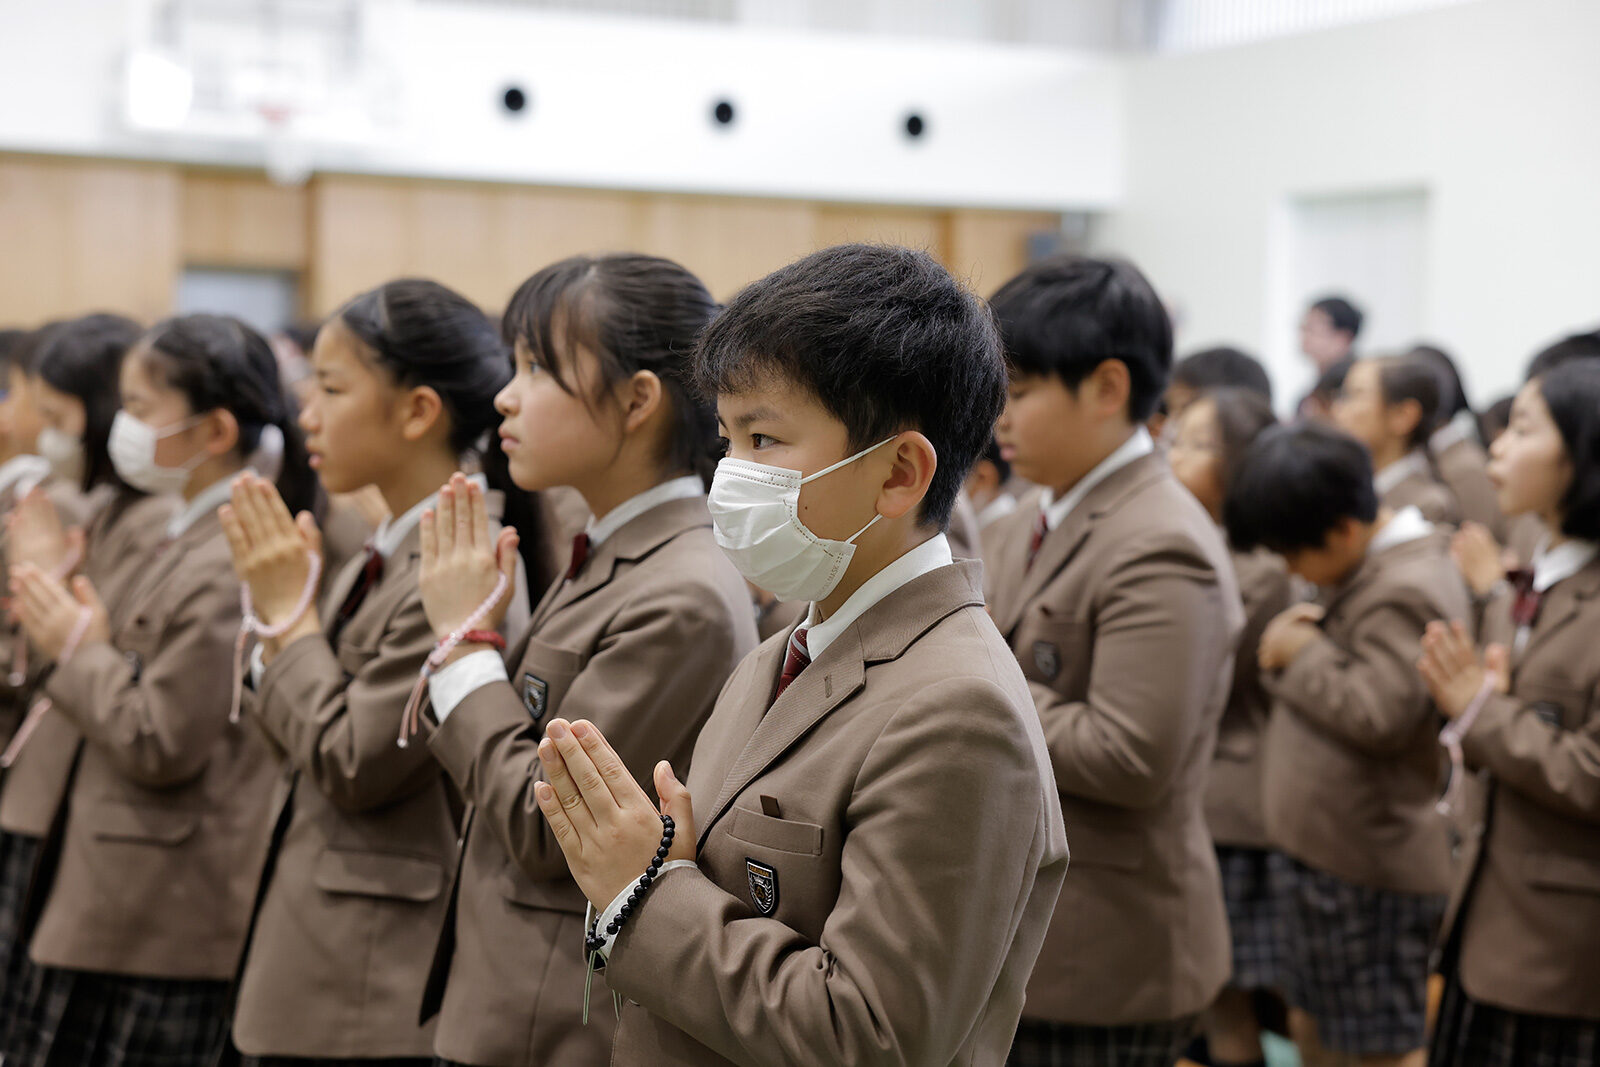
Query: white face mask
[[63, 451], [756, 512], [133, 453]]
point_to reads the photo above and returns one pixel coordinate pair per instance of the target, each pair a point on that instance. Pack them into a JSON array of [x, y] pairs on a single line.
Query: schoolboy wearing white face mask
[[874, 835]]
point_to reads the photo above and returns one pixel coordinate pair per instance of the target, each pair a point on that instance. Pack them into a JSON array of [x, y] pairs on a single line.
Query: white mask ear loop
[[846, 462], [852, 538]]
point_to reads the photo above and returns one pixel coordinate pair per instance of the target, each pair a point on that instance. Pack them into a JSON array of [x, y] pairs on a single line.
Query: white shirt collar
[[1463, 427], [924, 559], [23, 472], [206, 501], [998, 508], [1413, 462], [1406, 525], [392, 532], [684, 488], [1136, 447], [1552, 565]]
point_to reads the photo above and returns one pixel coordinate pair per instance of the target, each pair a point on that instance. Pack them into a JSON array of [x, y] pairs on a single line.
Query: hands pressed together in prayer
[[272, 553], [1453, 670], [461, 562], [604, 822], [1287, 636]]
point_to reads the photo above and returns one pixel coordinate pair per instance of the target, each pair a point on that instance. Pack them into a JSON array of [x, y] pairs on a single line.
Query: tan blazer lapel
[[1563, 603], [168, 557], [334, 594], [821, 687], [637, 539], [882, 633]]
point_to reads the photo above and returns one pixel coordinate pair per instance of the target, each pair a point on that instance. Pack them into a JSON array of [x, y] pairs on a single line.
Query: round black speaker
[[723, 112], [514, 99], [915, 127]]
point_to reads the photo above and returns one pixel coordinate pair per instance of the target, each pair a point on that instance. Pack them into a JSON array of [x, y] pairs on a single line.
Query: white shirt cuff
[[258, 666], [614, 908], [448, 687]]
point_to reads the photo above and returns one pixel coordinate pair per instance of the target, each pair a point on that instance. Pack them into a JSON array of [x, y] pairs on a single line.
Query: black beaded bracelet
[[593, 942]]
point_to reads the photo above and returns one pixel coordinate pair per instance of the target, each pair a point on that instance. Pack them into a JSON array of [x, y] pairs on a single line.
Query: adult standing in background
[[1328, 333]]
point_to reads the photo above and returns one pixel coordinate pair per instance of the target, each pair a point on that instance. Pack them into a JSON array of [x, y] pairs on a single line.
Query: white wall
[[1491, 107], [626, 103]]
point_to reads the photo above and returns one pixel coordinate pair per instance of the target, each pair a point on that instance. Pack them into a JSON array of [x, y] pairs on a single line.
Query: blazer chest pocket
[[542, 678], [781, 835], [151, 826], [1051, 649], [779, 869], [377, 874], [1565, 708]]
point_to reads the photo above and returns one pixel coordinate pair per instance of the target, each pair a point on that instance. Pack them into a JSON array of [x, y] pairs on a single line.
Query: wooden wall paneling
[[361, 236], [78, 236], [244, 221], [727, 242], [988, 247], [913, 228]]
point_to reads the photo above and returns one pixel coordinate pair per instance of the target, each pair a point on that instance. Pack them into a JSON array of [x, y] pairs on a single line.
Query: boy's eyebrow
[[762, 414]]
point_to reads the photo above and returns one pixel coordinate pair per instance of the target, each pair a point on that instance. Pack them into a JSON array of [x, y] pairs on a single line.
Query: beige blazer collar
[[883, 633]]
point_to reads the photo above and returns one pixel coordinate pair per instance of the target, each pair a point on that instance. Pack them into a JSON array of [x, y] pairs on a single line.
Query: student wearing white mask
[[75, 369], [167, 805]]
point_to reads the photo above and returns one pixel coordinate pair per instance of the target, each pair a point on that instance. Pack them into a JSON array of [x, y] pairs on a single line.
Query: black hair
[[885, 339], [1453, 396], [1241, 415], [1295, 485], [82, 357], [216, 361], [1402, 378], [635, 313], [425, 335], [1344, 315], [1572, 393], [1569, 348], [1495, 418], [303, 335], [1066, 315], [11, 341], [991, 453], [1222, 367]]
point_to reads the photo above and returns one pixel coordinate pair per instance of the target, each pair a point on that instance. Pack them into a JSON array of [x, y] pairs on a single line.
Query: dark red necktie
[[1041, 527], [799, 659], [371, 575], [1525, 608], [580, 555]]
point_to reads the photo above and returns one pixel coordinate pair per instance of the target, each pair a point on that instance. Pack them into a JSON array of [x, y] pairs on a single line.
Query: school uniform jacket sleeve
[[1153, 673], [157, 722], [1558, 769], [909, 953], [341, 730], [651, 661], [1369, 694]]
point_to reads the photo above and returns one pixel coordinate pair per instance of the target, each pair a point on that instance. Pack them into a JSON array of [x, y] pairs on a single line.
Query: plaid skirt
[[1473, 1034], [1358, 959], [1257, 919], [113, 1020], [1045, 1044], [17, 857]]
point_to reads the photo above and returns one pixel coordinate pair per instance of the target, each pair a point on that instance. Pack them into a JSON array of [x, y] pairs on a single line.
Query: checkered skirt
[[1046, 1044], [1257, 919], [75, 1017], [1357, 959], [17, 857], [1473, 1034]]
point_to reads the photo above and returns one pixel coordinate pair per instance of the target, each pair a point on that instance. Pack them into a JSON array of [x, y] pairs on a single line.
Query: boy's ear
[[915, 462], [1108, 388]]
